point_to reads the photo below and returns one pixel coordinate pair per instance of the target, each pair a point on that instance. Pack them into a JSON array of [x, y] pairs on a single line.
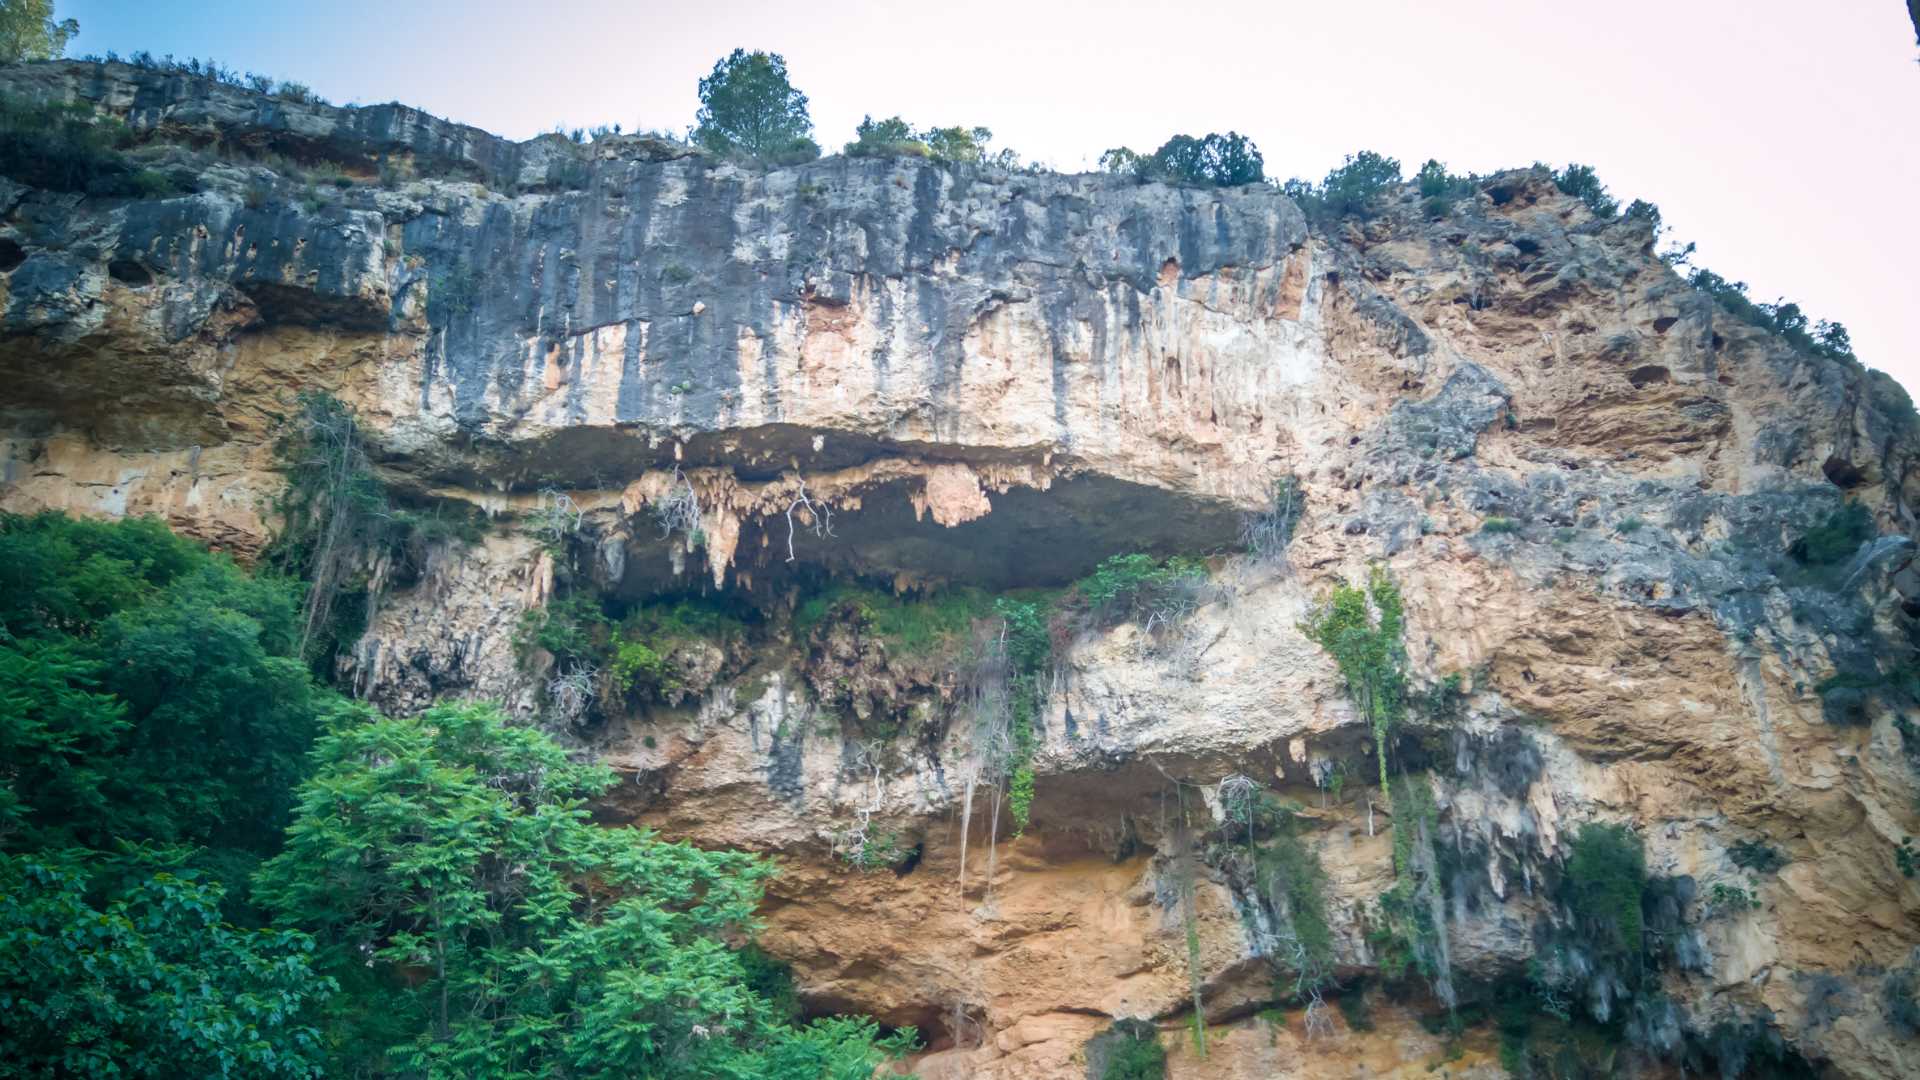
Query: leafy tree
[[148, 981], [150, 690], [448, 866], [747, 105], [1606, 875], [1228, 160], [894, 137], [28, 31]]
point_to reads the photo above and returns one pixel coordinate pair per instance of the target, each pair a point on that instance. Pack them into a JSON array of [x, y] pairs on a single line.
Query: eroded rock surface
[[1588, 480]]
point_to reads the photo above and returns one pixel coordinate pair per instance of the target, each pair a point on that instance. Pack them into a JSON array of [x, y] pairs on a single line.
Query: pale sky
[[1782, 136]]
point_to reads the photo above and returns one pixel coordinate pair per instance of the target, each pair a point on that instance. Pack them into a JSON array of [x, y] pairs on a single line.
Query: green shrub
[[1441, 189], [1128, 1050], [1499, 526], [1352, 190], [1629, 526], [1216, 160], [914, 626], [1135, 586], [1606, 874], [1581, 182], [67, 148], [1826, 339], [1757, 856], [1836, 539]]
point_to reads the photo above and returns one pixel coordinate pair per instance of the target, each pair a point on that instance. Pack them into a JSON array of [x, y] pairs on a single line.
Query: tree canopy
[[1228, 160], [28, 31], [748, 105], [454, 853]]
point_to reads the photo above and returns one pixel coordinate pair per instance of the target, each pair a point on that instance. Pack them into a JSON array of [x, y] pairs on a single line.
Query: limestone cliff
[[1594, 488]]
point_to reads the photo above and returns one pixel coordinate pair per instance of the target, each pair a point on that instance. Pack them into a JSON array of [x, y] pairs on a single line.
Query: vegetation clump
[[1352, 190], [64, 147], [748, 106], [1128, 1050], [1211, 160], [894, 137]]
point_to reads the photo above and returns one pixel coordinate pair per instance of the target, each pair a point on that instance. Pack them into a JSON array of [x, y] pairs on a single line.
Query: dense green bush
[[1128, 1050], [1352, 190], [1835, 539], [1785, 319], [1581, 182], [1229, 160], [66, 148]]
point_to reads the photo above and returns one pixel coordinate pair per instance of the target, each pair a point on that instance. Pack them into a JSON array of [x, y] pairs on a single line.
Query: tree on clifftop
[[747, 105], [28, 32]]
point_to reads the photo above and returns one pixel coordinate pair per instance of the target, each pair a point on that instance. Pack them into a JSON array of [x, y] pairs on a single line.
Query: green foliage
[[1606, 874], [936, 622], [151, 691], [1725, 899], [637, 667], [1499, 526], [1782, 318], [572, 627], [894, 137], [1441, 189], [146, 979], [452, 292], [1901, 996], [1289, 875], [1352, 190], [1836, 539], [870, 850], [1757, 856], [65, 147], [1124, 588], [337, 521], [454, 854], [1581, 182], [1029, 648], [28, 31], [1216, 160], [1129, 1050], [1629, 526], [748, 106]]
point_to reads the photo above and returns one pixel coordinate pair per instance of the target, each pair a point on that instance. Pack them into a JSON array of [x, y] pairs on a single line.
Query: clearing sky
[[1781, 137]]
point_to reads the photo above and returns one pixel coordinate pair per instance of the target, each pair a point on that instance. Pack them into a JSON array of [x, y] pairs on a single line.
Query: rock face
[[1619, 518]]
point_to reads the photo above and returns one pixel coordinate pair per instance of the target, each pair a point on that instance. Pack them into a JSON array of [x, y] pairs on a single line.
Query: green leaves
[[147, 982], [747, 105], [514, 936]]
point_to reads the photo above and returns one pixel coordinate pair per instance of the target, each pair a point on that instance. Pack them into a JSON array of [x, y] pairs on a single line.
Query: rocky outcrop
[[1595, 489]]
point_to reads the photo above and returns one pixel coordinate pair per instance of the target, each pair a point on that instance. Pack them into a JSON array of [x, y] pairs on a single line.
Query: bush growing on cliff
[[748, 106], [1216, 160], [894, 137], [1352, 190], [66, 148], [507, 935], [1128, 1050], [1581, 182]]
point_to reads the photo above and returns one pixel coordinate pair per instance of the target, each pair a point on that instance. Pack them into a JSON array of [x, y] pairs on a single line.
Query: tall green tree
[[449, 868], [28, 31], [149, 691], [748, 105]]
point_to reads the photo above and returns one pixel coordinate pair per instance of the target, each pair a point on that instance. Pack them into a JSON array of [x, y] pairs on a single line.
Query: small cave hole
[[1651, 374], [128, 272], [1664, 323], [1843, 473], [1501, 194], [911, 860], [1717, 343], [11, 254], [1169, 272], [1527, 245]]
